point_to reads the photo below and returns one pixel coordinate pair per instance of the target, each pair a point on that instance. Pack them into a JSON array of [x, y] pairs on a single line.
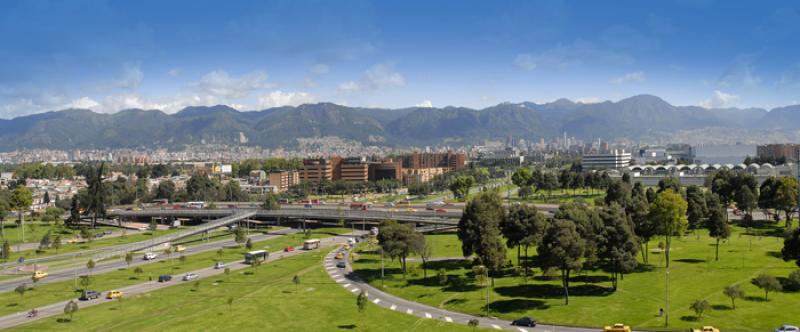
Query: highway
[[58, 308], [72, 273]]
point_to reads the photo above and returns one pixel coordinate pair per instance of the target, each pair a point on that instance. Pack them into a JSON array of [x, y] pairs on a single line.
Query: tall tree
[[522, 178], [562, 247], [786, 197], [617, 243], [5, 207], [697, 211], [733, 292], [768, 283], [791, 246], [669, 212], [746, 200], [718, 227], [520, 223], [644, 227], [397, 240], [97, 193], [479, 230], [166, 190], [21, 200], [460, 186], [669, 182]]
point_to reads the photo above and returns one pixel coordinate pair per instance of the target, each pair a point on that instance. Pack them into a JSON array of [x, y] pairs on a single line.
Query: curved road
[[350, 281]]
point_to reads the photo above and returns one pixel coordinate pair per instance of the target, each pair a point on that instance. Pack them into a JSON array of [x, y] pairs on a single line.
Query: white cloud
[[377, 77], [132, 76], [279, 98], [637, 76], [319, 69], [425, 104], [740, 72], [174, 72], [720, 100], [569, 55], [310, 82], [83, 102], [588, 100], [219, 83]]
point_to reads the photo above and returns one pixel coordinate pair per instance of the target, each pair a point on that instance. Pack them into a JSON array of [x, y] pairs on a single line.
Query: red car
[[288, 249], [441, 211]]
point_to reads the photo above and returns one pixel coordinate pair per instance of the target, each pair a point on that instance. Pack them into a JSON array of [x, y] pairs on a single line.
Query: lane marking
[[354, 290], [427, 315], [376, 301], [448, 319], [496, 327], [409, 311], [522, 330], [393, 307], [346, 285]]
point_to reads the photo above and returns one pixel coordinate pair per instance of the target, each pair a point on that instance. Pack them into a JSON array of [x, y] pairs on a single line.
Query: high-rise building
[[282, 180], [451, 160], [317, 170], [354, 169], [615, 160], [778, 151]]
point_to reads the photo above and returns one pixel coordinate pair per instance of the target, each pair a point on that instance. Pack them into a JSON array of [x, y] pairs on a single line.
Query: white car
[[219, 265], [190, 276], [787, 328], [150, 256]]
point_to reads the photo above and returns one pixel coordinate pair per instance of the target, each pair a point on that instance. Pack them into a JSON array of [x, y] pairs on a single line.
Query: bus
[[310, 244], [196, 205], [253, 256]]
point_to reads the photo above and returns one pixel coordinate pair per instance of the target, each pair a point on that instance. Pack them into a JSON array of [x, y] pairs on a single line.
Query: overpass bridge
[[422, 217]]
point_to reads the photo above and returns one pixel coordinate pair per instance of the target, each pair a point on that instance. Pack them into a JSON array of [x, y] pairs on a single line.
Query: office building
[[616, 159]]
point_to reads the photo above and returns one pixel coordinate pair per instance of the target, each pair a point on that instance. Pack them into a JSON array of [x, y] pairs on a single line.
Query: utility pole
[[666, 296], [486, 280]]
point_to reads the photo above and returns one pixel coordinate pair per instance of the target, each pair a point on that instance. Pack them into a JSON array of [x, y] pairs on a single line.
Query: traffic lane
[[72, 273], [149, 286], [351, 282]]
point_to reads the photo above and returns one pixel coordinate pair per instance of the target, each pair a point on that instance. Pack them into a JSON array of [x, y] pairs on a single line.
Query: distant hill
[[635, 118]]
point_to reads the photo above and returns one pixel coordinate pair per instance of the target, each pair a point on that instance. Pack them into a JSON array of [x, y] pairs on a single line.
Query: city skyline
[[375, 54]]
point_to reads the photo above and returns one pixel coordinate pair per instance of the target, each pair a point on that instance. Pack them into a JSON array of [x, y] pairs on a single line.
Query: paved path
[[354, 284], [58, 308], [73, 272]]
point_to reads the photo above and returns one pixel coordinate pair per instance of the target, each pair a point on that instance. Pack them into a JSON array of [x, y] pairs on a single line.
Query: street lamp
[[666, 297]]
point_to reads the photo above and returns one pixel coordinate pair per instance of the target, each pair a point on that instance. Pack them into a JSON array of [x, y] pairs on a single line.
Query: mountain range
[[642, 117]]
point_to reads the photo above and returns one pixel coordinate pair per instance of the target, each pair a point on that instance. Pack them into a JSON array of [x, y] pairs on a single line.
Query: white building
[[615, 160]]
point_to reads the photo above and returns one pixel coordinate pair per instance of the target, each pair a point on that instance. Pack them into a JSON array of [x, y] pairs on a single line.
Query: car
[[219, 265], [180, 248], [107, 232], [707, 329], [288, 249], [394, 210], [150, 256], [114, 294], [164, 278], [346, 246], [341, 265], [190, 276], [524, 321], [89, 294], [617, 328], [441, 211], [787, 328], [339, 255], [388, 205], [412, 210], [39, 275]]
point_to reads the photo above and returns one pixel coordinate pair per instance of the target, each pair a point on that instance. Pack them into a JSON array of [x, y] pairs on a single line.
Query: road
[[58, 308], [72, 273], [350, 281]]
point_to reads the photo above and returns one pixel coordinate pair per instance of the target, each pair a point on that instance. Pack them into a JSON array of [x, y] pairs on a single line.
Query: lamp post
[[666, 297]]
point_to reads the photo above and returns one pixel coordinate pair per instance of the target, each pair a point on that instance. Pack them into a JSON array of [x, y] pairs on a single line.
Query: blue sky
[[112, 55]]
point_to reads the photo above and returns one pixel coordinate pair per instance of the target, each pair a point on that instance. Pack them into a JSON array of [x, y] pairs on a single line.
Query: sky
[[112, 55]]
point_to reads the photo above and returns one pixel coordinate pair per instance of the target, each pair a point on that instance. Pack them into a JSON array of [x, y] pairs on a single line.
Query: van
[[114, 294]]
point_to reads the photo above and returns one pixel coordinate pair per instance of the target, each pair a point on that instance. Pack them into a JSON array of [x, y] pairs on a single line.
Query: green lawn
[[693, 275], [561, 196], [59, 291], [34, 230], [263, 301]]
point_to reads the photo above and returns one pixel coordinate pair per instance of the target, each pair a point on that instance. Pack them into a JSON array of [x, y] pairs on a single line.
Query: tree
[[70, 309], [97, 193], [791, 246], [669, 182], [21, 200], [6, 250], [718, 228], [479, 230], [522, 225], [182, 259], [617, 243], [746, 200], [57, 243], [5, 207], [128, 258], [166, 190], [460, 186], [768, 283], [473, 323], [74, 211], [618, 192], [361, 301], [699, 306], [522, 178], [697, 210], [21, 289], [424, 250], [733, 292], [271, 202], [90, 265], [669, 212], [248, 244], [44, 243], [296, 281], [644, 227], [786, 197], [220, 252], [138, 270], [84, 281], [562, 248], [239, 235], [397, 240], [441, 275], [230, 303]]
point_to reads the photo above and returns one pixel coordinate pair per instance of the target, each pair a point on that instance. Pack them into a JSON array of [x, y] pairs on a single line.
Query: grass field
[[693, 275], [34, 230], [59, 291], [262, 301], [562, 196]]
